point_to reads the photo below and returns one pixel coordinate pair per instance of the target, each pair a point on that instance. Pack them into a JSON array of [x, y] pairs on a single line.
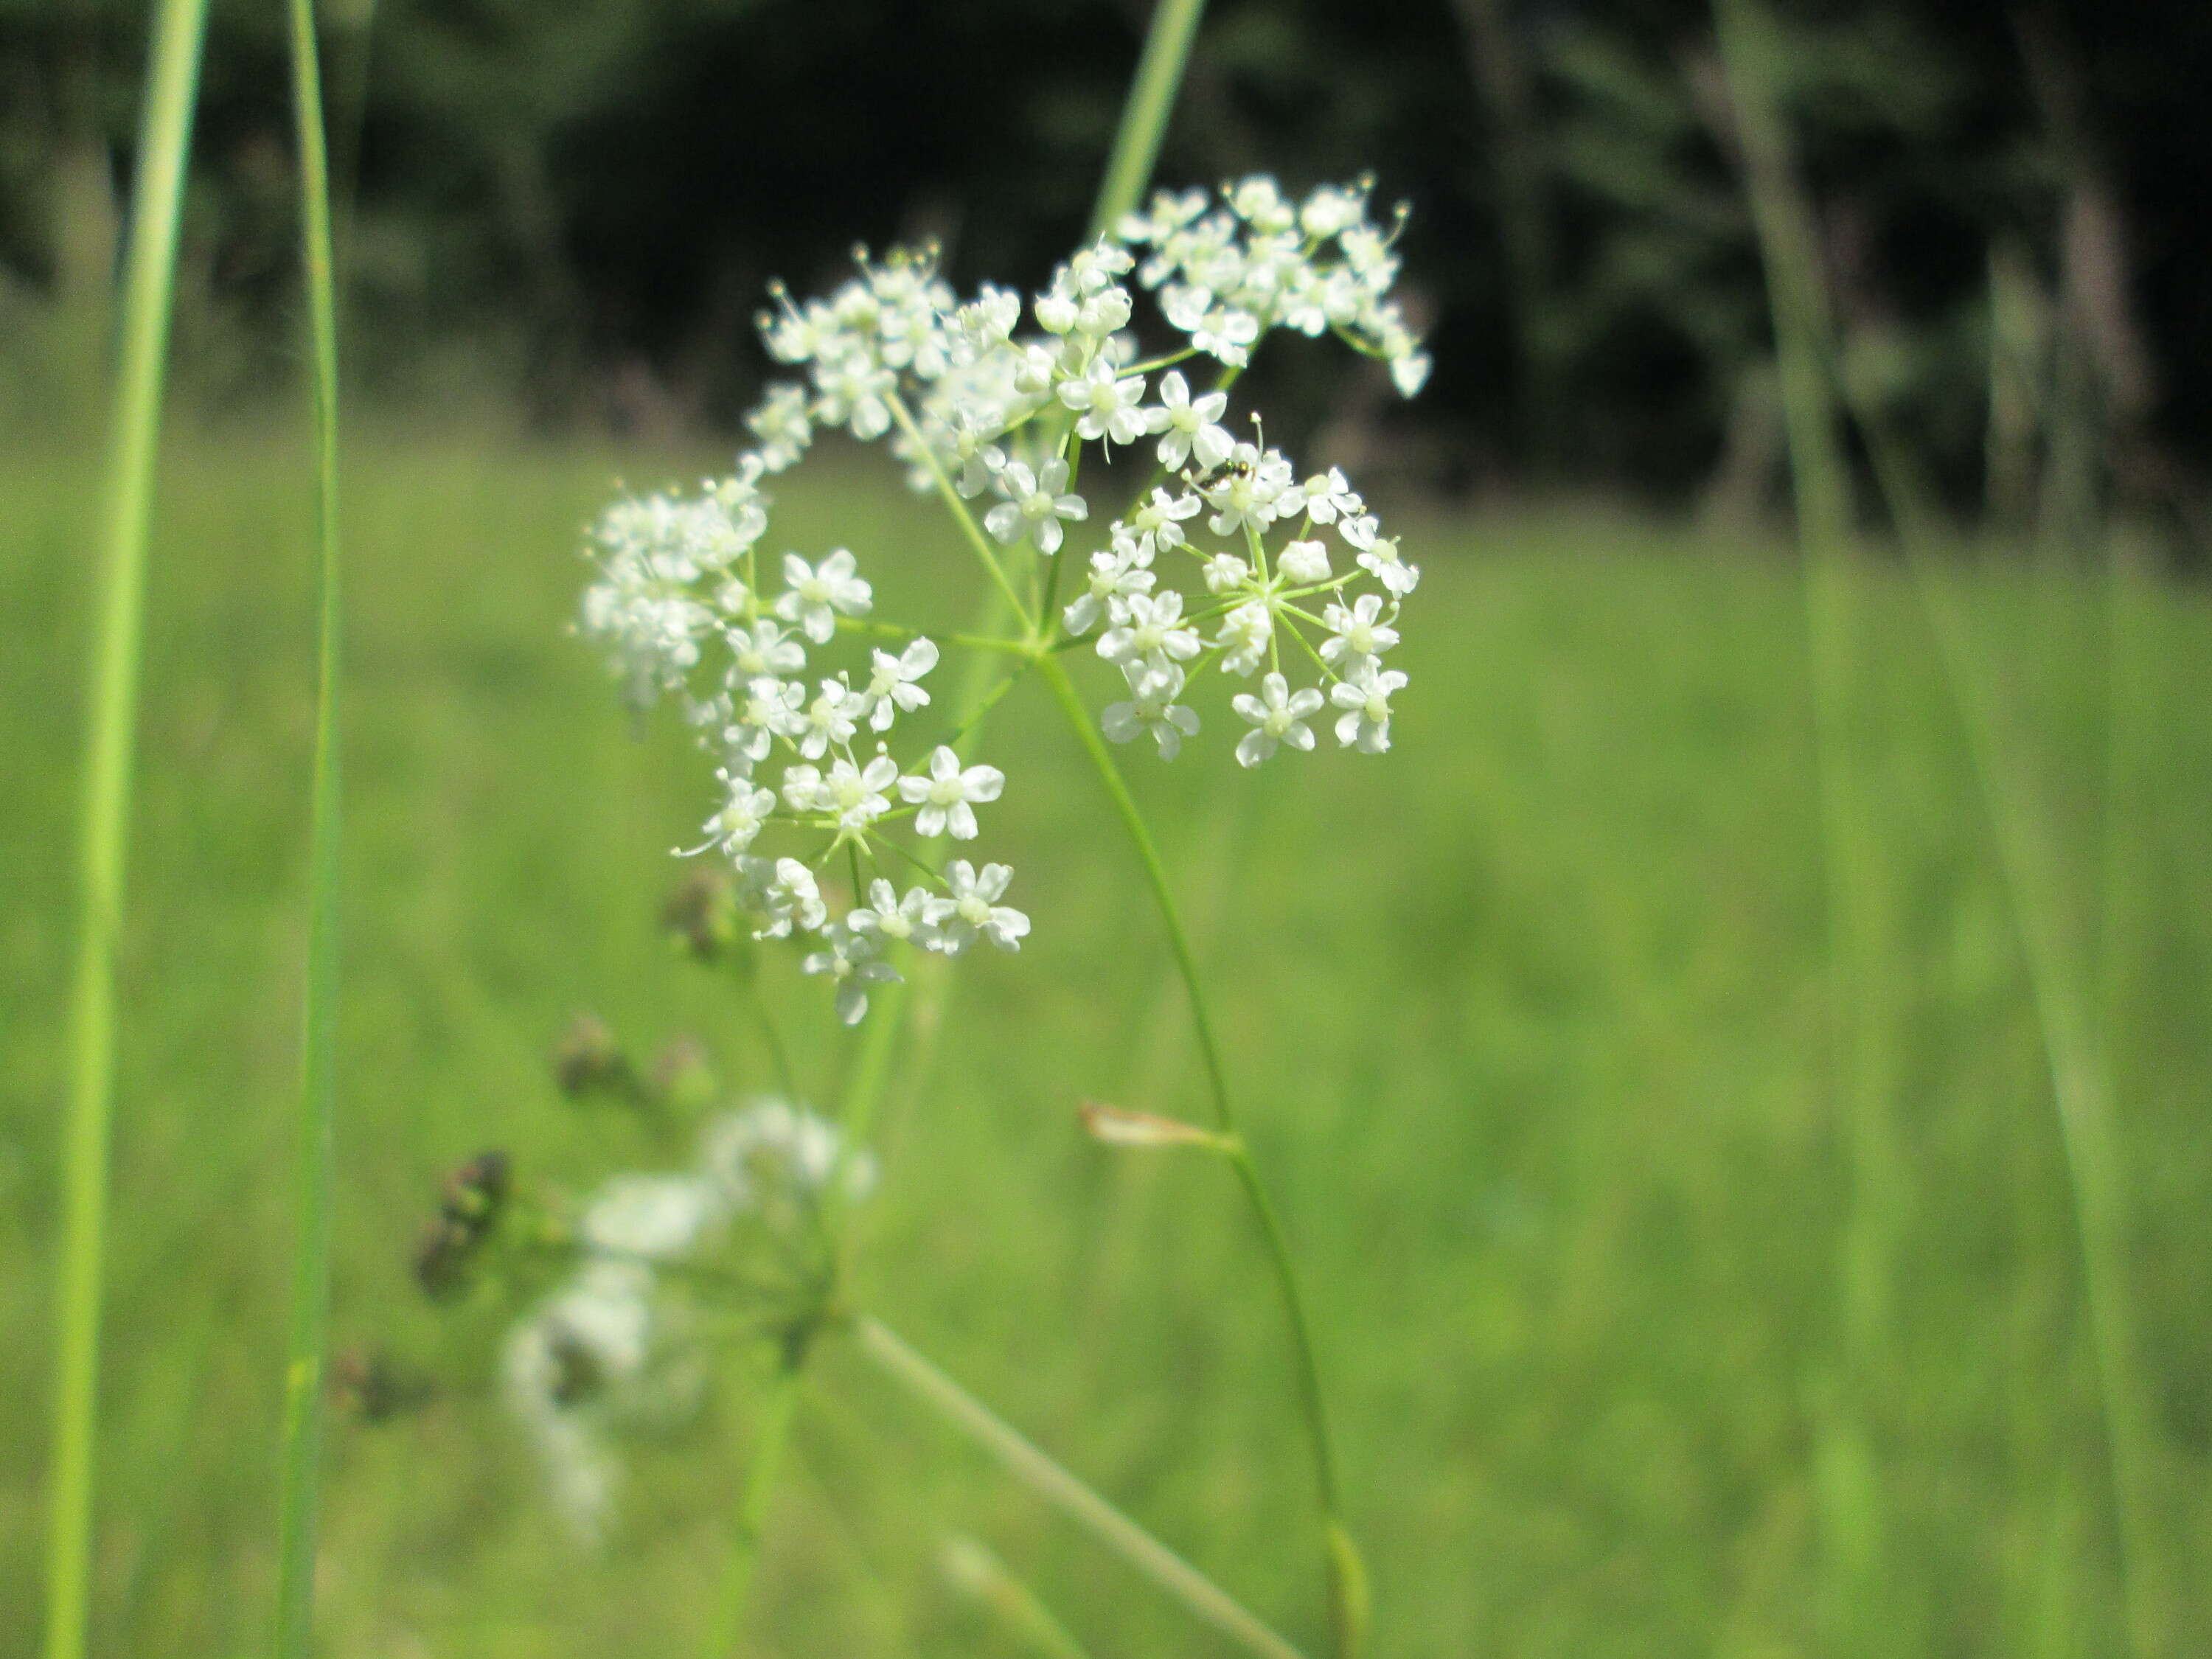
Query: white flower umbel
[[617, 1345], [1221, 556]]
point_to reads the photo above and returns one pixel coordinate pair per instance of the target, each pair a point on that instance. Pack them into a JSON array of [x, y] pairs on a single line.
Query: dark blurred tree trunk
[[84, 224], [2102, 385], [1499, 70]]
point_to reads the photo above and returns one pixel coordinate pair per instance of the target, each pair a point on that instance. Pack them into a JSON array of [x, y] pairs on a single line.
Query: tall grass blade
[[301, 1450], [1145, 112], [2067, 1020], [769, 1439], [165, 139], [1847, 1471]]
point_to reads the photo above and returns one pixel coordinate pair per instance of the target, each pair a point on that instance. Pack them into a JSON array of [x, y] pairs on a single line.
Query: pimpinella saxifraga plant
[[1233, 588]]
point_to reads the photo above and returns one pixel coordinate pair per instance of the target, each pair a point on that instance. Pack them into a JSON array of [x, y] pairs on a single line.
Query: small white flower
[[1158, 522], [769, 710], [763, 651], [972, 909], [781, 424], [818, 592], [1330, 209], [1409, 372], [1151, 708], [1116, 576], [1329, 496], [1190, 430], [894, 684], [1153, 632], [1366, 723], [733, 827], [944, 795], [893, 917], [845, 960], [988, 323], [1246, 633], [856, 793], [654, 1217], [831, 718], [1246, 492], [784, 893], [1260, 203], [1357, 634], [1278, 716], [1109, 405], [1224, 572], [1035, 504], [855, 393], [1092, 269], [1304, 562], [1380, 559], [1359, 530]]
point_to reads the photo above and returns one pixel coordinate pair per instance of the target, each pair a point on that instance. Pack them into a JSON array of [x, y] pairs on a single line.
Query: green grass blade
[[1070, 1495], [2076, 1057], [165, 139], [301, 1450], [1145, 114], [1846, 1467], [769, 1439]]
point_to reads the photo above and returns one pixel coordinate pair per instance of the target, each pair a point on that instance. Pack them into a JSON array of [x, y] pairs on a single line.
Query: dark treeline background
[[578, 204]]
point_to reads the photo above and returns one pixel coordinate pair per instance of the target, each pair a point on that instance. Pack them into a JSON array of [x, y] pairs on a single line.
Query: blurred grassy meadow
[[1530, 1021]]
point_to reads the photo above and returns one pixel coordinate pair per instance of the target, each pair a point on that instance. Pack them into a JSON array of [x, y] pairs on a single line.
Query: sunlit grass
[[106, 779], [1551, 1127]]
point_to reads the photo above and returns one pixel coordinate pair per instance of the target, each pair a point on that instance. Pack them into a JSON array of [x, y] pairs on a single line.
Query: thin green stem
[[975, 1568], [973, 532], [1343, 1562], [769, 1439], [302, 1448], [1145, 116], [966, 642], [165, 137], [1066, 1492]]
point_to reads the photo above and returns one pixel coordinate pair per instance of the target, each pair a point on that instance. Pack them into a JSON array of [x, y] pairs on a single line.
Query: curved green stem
[[1342, 1558], [165, 138], [1145, 116], [769, 1442], [1070, 1495]]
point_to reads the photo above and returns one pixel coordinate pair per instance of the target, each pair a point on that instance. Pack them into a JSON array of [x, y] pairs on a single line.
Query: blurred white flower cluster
[[621, 1344], [1225, 556]]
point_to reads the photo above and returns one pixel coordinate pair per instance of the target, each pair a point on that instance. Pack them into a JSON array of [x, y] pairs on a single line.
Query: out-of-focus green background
[[1657, 1319], [1530, 1020]]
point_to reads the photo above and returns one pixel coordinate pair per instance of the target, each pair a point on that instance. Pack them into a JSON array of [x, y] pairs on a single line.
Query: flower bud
[[701, 914], [588, 1061], [1116, 1126]]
